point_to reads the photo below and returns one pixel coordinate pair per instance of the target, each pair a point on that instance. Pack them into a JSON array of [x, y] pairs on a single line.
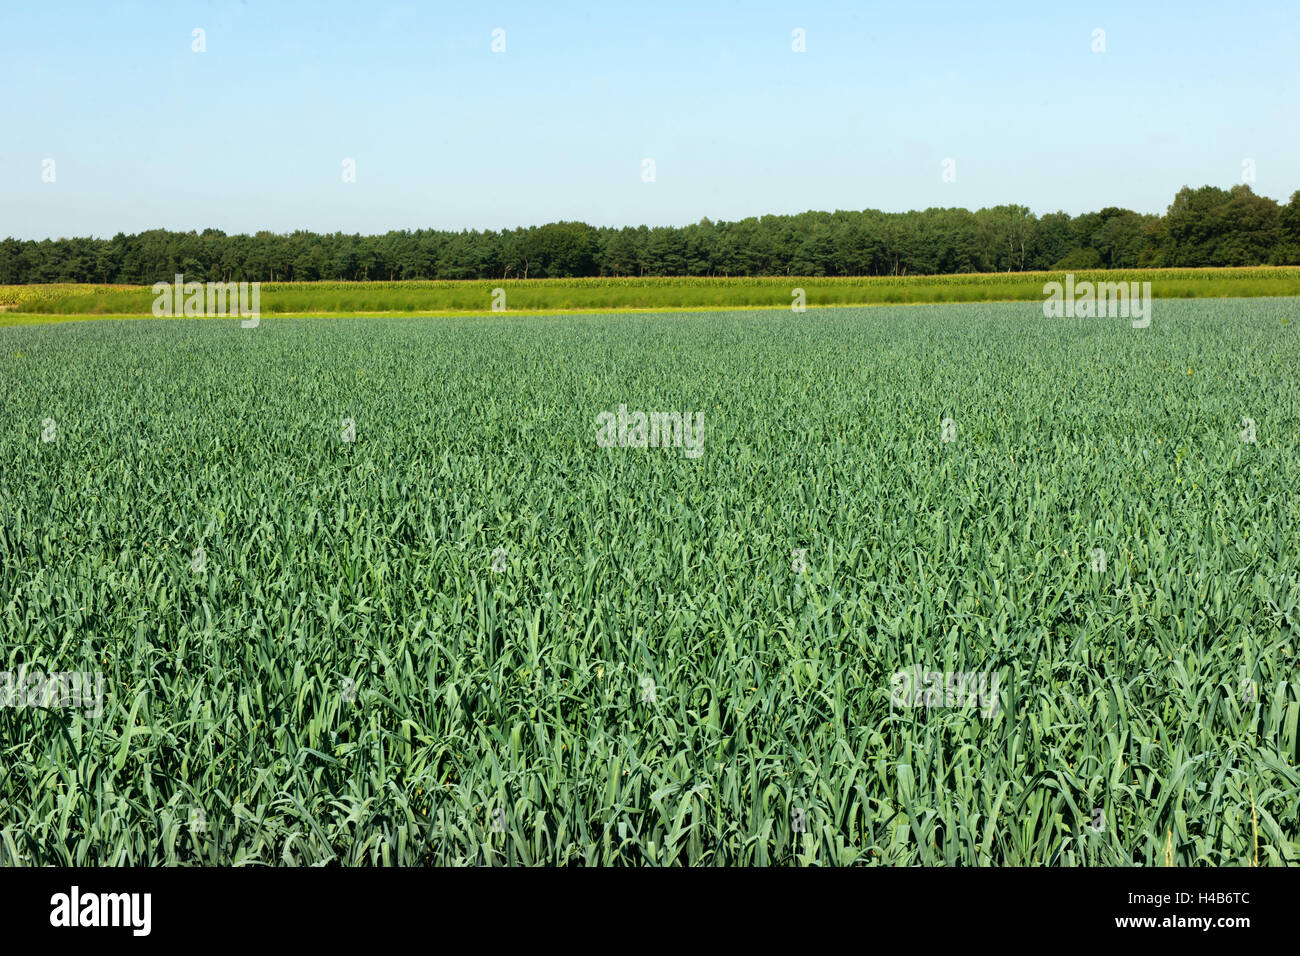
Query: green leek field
[[369, 591]]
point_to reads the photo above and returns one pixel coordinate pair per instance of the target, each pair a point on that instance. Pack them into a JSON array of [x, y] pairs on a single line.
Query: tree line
[[1202, 227]]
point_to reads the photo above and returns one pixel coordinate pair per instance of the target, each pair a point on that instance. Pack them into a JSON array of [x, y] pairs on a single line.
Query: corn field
[[19, 302]]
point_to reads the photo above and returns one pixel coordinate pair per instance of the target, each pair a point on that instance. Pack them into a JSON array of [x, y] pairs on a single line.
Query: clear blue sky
[[445, 133]]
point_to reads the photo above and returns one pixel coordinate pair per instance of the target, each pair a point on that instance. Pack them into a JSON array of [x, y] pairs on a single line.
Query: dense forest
[[1202, 227]]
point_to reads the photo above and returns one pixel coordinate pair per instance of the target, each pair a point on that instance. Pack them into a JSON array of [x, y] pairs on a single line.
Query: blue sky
[[252, 133]]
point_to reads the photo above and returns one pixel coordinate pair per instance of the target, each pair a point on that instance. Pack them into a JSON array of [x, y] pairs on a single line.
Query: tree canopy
[[1202, 227]]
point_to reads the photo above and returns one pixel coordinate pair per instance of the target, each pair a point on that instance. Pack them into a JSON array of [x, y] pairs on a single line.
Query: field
[[433, 621], [18, 303]]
